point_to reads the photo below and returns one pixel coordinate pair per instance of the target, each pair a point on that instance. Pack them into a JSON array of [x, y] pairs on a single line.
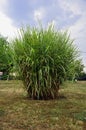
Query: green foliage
[[44, 58], [5, 57], [82, 76], [76, 70], [2, 112], [81, 116]]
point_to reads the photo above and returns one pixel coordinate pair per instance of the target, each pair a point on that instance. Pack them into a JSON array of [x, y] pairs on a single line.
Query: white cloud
[[68, 5], [6, 27], [3, 5], [39, 14], [78, 29]]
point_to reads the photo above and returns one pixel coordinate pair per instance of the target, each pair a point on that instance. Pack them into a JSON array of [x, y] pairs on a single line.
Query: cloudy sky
[[64, 14]]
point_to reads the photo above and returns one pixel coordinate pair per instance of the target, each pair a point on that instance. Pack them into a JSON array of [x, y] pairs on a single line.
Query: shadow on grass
[[2, 112]]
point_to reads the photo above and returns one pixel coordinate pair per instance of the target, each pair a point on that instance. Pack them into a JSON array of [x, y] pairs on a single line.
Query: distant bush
[[82, 76], [6, 61]]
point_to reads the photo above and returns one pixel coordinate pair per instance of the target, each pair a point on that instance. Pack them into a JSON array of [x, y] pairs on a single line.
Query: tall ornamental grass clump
[[44, 57]]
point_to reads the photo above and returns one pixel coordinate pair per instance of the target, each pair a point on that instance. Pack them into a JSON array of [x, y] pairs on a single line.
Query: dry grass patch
[[17, 112]]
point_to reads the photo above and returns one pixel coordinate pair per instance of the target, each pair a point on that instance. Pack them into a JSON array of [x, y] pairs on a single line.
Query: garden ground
[[17, 112]]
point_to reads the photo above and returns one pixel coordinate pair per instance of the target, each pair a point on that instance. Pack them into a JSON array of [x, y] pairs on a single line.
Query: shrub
[[6, 62], [43, 57]]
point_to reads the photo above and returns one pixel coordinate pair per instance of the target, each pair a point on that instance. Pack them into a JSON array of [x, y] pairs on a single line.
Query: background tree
[[44, 58], [5, 57], [76, 70]]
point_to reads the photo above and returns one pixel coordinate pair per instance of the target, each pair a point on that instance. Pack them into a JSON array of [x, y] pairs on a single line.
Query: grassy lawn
[[17, 112]]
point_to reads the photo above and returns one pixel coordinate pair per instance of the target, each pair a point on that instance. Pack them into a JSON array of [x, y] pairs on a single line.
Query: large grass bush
[[44, 58]]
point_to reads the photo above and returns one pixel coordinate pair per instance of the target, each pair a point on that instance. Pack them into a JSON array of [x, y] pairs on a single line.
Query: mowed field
[[17, 112]]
